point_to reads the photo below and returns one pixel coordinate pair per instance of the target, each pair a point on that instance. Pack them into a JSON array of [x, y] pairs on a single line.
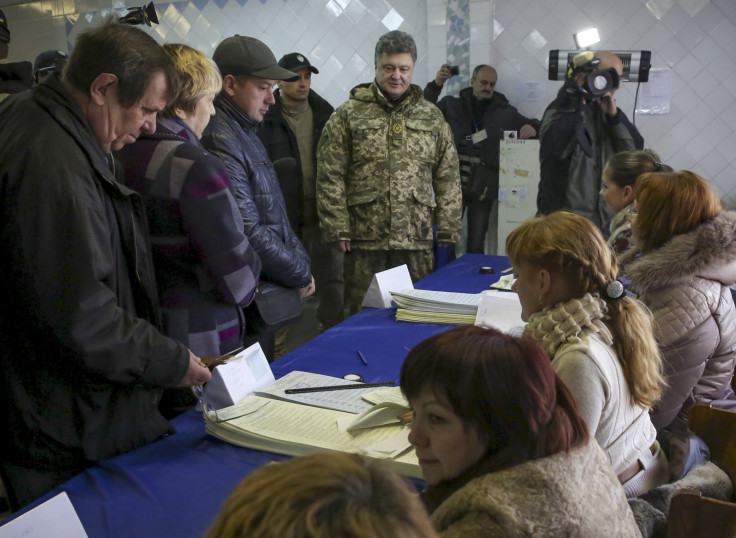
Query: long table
[[176, 486]]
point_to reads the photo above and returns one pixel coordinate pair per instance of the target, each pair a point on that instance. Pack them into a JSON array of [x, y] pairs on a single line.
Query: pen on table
[[341, 387], [362, 358]]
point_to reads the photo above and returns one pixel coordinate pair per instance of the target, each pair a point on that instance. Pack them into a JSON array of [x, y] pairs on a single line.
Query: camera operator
[[478, 117], [581, 129]]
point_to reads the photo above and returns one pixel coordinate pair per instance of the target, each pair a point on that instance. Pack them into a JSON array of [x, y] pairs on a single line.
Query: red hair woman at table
[[501, 444]]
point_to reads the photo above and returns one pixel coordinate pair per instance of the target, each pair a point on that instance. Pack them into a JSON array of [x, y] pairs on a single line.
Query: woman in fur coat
[[687, 247], [501, 444]]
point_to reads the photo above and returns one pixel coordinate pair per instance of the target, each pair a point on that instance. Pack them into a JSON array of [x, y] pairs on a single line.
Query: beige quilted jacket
[[685, 285]]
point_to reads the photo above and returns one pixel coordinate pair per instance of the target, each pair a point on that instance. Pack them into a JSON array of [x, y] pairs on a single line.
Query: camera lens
[[600, 82]]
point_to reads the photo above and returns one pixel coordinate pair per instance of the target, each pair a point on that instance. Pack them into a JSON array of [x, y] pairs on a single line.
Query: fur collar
[[708, 251]]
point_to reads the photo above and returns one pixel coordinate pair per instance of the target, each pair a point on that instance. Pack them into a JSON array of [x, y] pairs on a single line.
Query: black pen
[[362, 358], [340, 387]]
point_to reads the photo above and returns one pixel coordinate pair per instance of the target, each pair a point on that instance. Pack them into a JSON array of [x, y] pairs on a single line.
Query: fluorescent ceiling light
[[586, 38]]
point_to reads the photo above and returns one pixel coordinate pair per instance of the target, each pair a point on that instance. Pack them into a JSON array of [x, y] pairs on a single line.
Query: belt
[[635, 467]]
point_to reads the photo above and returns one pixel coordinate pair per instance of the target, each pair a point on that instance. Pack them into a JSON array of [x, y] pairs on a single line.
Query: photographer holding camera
[[581, 129], [478, 118]]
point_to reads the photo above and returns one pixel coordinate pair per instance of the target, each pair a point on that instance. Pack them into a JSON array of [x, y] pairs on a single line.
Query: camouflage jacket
[[387, 172]]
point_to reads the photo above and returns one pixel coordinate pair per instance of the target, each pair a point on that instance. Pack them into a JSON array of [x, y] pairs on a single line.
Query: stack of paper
[[362, 420], [425, 306], [295, 429]]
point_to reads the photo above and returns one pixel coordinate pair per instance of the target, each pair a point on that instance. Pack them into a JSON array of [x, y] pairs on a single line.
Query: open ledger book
[[296, 429]]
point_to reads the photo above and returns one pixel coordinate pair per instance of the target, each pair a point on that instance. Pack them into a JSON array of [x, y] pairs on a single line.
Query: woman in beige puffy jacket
[[687, 247]]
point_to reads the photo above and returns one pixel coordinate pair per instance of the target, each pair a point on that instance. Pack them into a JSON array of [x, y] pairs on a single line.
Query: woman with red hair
[[684, 263], [502, 447]]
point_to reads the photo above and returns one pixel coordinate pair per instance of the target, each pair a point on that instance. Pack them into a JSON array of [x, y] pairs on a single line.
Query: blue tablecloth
[[176, 486]]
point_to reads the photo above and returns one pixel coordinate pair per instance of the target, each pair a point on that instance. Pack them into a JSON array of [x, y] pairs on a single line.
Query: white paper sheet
[[500, 310], [383, 283], [55, 517]]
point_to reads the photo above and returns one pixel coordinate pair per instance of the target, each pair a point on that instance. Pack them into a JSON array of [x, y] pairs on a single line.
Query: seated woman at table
[[322, 496], [206, 270], [600, 341], [501, 445], [619, 180], [682, 267]]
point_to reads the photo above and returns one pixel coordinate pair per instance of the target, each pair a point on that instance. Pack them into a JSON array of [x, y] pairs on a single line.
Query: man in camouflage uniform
[[387, 170]]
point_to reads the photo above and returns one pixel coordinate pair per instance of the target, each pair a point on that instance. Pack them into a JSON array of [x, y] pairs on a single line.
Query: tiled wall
[[693, 38]]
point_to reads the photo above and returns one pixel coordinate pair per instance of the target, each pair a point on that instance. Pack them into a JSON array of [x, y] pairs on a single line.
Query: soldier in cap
[[291, 129], [387, 171], [249, 71]]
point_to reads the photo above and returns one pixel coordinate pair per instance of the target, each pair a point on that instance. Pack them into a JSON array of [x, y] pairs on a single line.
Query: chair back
[[694, 516], [691, 515], [717, 427]]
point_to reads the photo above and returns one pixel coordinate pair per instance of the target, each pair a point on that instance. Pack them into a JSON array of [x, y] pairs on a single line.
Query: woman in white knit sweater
[[599, 340]]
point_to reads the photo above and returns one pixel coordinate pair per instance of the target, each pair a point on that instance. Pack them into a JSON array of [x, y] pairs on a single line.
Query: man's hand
[[527, 131], [197, 373], [442, 75], [608, 105], [343, 246], [307, 290]]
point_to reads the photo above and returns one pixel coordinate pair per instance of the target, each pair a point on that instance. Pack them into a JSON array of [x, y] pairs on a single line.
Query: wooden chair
[[692, 515]]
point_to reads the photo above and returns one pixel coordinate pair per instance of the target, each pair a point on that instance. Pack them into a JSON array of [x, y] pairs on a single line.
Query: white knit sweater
[[578, 341]]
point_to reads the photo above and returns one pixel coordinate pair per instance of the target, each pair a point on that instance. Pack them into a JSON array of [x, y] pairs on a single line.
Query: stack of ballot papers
[[492, 308], [360, 420], [425, 306]]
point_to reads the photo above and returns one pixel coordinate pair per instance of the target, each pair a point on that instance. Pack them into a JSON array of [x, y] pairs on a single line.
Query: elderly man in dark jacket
[[83, 361], [249, 71], [291, 129], [478, 119]]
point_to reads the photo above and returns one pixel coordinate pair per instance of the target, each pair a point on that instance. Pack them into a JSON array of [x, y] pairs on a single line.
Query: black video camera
[[596, 83]]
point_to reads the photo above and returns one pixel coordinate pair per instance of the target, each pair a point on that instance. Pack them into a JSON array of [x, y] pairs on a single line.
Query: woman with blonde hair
[[617, 190], [599, 340], [206, 270], [682, 268], [322, 496]]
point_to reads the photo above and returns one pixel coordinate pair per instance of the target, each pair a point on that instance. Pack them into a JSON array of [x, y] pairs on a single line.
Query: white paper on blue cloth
[[55, 517], [232, 381], [383, 283], [500, 310]]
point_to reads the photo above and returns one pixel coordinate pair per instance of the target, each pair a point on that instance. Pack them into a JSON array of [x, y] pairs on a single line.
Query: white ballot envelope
[[500, 310], [232, 381], [383, 283]]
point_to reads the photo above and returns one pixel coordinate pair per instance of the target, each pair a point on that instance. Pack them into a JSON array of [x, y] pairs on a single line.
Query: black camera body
[[596, 83], [454, 70]]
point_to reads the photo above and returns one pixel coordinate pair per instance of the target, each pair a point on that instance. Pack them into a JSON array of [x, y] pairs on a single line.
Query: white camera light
[[586, 38]]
